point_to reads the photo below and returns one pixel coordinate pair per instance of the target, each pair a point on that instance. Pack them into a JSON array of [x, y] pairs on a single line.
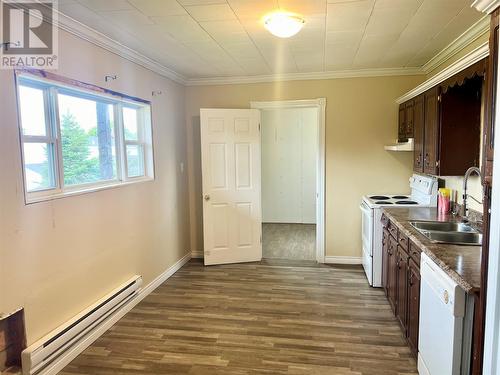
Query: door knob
[[206, 197]]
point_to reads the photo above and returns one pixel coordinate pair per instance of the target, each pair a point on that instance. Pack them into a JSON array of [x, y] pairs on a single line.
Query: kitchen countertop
[[461, 263]]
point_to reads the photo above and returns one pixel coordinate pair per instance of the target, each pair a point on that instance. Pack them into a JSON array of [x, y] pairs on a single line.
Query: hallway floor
[[289, 241], [271, 317]]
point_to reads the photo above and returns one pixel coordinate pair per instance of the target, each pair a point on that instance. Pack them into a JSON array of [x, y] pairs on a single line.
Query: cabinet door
[[413, 305], [402, 123], [402, 287], [385, 259], [431, 115], [418, 134], [392, 273], [409, 119]]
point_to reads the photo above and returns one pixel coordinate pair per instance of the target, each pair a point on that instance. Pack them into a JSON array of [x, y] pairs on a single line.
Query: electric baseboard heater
[[42, 353]]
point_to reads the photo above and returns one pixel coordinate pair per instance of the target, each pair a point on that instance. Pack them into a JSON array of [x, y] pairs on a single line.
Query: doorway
[[292, 169]]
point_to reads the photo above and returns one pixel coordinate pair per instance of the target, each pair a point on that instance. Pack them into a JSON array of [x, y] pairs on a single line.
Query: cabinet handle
[[411, 279]]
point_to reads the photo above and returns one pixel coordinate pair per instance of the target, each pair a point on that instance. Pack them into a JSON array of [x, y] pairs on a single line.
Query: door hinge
[[259, 126], [261, 239]]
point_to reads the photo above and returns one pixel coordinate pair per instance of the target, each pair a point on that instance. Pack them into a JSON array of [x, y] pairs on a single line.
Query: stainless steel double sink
[[446, 232]]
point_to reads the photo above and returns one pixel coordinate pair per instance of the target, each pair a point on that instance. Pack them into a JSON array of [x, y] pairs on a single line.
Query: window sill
[[91, 189]]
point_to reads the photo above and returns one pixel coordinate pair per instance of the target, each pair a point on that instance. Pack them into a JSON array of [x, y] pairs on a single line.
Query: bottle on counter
[[444, 198]]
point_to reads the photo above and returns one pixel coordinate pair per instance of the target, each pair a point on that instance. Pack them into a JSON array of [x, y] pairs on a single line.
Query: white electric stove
[[423, 193]]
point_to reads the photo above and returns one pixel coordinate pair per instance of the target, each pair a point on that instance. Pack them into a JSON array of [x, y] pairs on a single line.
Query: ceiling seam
[[364, 33], [402, 31], [436, 35], [211, 37], [249, 37]]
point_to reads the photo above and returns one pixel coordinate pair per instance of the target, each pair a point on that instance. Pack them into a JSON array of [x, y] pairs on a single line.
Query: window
[[75, 140]]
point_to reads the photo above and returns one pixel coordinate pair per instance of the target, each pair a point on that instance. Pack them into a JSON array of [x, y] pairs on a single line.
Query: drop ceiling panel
[[158, 8], [209, 38], [211, 12]]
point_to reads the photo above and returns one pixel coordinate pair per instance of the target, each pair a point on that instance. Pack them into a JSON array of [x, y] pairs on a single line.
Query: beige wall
[[58, 257], [456, 183], [361, 118]]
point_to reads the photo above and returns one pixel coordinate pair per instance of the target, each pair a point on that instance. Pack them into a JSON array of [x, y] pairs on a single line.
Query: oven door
[[367, 240]]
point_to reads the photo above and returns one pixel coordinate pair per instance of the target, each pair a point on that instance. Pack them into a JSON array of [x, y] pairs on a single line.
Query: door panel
[[230, 143]]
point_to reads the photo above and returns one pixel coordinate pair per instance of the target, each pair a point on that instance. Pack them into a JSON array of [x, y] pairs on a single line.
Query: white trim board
[[197, 254], [320, 105], [473, 33], [486, 6], [343, 260], [99, 39], [62, 361], [471, 58], [351, 73]]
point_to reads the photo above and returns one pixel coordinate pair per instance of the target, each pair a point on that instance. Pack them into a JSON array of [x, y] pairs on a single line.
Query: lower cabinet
[[392, 274], [413, 305], [402, 289], [401, 282]]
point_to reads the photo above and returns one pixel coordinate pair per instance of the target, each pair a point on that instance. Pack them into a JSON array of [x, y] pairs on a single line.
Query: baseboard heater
[[46, 350]]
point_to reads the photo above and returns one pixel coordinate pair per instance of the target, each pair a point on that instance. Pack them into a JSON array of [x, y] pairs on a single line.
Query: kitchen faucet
[[469, 172]]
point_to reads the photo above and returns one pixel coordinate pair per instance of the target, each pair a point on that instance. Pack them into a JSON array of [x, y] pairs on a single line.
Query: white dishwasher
[[446, 317]]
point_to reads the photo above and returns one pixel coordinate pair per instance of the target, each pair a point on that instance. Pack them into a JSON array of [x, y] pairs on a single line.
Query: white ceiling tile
[[182, 28], [200, 2], [100, 5], [212, 12], [158, 8], [349, 16], [132, 18], [303, 6], [255, 9]]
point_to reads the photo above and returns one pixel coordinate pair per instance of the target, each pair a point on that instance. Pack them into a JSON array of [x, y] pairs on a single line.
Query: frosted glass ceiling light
[[283, 25]]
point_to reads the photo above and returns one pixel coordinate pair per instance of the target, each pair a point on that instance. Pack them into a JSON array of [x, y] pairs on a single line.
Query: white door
[[232, 215]]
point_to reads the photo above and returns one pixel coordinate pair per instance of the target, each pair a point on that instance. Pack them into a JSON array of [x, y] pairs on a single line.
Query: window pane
[[135, 161], [88, 140], [130, 124], [38, 167], [32, 111]]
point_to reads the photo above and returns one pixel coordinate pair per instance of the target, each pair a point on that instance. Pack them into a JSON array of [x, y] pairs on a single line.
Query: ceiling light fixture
[[283, 25]]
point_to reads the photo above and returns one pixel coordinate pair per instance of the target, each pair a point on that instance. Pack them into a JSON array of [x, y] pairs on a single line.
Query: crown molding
[[353, 73], [486, 6], [473, 33], [93, 36], [471, 58]]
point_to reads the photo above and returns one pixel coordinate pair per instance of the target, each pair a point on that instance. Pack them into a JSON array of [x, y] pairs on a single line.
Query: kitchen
[[395, 298]]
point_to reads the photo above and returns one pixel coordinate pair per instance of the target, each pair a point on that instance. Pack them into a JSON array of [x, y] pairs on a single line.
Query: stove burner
[[400, 197], [406, 202], [383, 202], [379, 197]]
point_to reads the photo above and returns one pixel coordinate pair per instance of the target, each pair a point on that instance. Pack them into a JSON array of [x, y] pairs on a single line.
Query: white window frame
[[51, 89]]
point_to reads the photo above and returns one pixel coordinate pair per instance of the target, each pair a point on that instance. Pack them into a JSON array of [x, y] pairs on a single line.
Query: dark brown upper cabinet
[[445, 122], [418, 133], [402, 123], [460, 127], [405, 128], [431, 131]]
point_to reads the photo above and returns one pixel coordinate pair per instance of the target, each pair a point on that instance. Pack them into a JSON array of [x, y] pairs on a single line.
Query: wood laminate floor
[[272, 317]]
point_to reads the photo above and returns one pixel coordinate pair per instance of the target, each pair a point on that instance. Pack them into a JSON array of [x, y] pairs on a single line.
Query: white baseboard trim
[[343, 260], [198, 254], [59, 363]]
